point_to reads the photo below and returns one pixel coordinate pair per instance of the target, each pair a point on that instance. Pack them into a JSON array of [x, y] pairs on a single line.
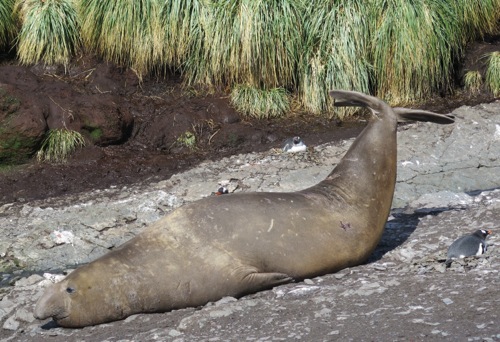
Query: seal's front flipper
[[261, 281]]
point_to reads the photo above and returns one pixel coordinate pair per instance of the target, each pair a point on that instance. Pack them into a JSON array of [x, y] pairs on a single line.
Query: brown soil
[[163, 110]]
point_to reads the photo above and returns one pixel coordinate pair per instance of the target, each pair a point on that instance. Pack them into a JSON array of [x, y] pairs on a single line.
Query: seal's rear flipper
[[405, 114], [346, 103], [346, 98]]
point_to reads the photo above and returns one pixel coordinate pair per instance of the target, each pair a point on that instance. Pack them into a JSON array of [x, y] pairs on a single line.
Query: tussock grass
[[259, 103], [400, 50], [493, 73], [416, 43], [473, 81], [49, 31], [335, 48], [248, 41], [413, 48], [182, 22], [125, 32], [476, 18], [59, 144], [8, 26]]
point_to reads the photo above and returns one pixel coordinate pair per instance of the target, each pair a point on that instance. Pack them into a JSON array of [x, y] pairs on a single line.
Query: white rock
[[62, 237]]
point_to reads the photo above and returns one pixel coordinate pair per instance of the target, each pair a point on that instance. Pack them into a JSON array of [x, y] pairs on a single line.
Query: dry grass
[[476, 18], [49, 31], [400, 50], [334, 54], [125, 32], [473, 81], [8, 26], [412, 49], [59, 144], [250, 42], [260, 103], [181, 22], [493, 73]]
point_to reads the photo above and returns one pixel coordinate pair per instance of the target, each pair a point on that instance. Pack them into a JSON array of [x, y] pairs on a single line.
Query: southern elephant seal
[[195, 255]]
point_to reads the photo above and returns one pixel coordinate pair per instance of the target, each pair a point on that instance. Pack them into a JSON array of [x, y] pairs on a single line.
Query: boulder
[[22, 125]]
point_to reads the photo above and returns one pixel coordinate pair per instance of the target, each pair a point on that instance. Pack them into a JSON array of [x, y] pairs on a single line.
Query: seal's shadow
[[397, 231], [50, 325]]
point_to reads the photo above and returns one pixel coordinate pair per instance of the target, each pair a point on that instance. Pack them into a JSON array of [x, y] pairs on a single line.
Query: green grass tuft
[[258, 103], [59, 144], [181, 22], [125, 32], [8, 28], [400, 50], [247, 41], [473, 81], [493, 73], [49, 32], [334, 53], [187, 139], [413, 49], [96, 134], [476, 18]]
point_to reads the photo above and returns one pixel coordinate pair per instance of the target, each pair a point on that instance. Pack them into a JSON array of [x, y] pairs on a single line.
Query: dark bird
[[468, 245]]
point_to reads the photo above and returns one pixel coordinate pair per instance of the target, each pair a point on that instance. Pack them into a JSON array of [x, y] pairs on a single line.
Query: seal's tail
[[345, 98]]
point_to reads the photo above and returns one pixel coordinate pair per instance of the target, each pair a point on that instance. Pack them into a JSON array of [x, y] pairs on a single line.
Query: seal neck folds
[[371, 159], [368, 169]]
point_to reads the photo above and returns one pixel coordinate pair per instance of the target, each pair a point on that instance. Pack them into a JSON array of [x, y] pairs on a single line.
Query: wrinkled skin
[[237, 244]]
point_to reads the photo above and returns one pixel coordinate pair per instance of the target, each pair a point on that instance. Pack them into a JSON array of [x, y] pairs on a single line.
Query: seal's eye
[[70, 290]]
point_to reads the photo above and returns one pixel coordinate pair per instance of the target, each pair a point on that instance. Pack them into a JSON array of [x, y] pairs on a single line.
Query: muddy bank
[[135, 132], [132, 128]]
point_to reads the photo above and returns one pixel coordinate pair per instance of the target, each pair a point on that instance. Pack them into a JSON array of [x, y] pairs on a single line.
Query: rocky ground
[[448, 185]]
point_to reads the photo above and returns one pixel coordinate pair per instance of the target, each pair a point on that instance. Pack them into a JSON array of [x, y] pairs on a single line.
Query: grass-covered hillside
[[265, 53]]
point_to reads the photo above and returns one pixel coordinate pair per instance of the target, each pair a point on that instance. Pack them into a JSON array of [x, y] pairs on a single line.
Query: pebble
[[225, 300], [174, 333], [11, 323], [24, 315], [6, 307], [447, 301], [31, 280]]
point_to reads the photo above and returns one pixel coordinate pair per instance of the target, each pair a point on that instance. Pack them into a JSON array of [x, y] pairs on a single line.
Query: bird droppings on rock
[[62, 237]]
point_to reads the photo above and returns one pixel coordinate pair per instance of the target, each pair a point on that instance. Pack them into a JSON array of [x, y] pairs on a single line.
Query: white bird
[[294, 144]]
